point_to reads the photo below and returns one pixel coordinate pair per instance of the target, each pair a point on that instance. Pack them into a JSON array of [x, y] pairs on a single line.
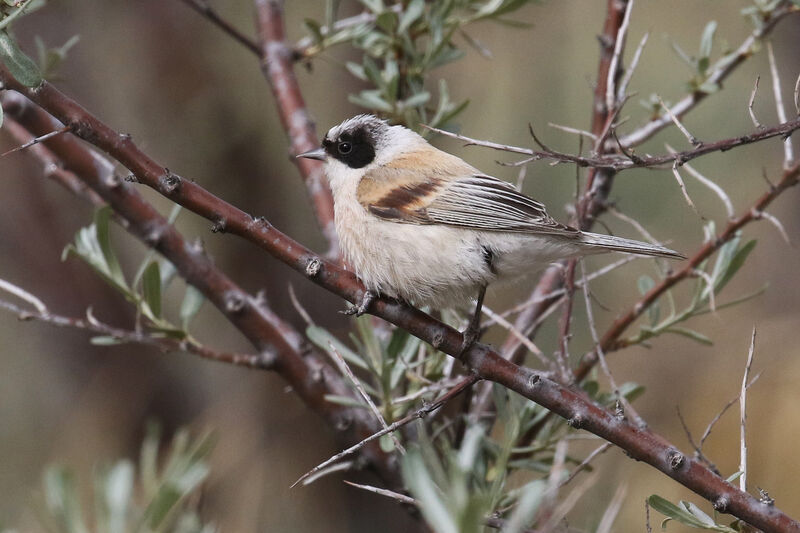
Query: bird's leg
[[362, 306], [473, 331]]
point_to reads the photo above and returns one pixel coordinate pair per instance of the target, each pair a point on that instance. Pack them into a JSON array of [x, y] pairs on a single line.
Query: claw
[[362, 306], [473, 331]]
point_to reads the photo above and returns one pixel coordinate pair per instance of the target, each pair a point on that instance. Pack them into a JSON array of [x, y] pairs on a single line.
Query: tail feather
[[618, 244]]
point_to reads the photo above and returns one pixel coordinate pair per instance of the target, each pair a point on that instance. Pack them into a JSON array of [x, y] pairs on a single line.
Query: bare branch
[[36, 140], [743, 415], [619, 162], [619, 46], [682, 185], [263, 361], [345, 369], [205, 9], [716, 189], [788, 155], [24, 295], [626, 80], [420, 413], [278, 68], [691, 138], [640, 443], [719, 72], [756, 123], [586, 462]]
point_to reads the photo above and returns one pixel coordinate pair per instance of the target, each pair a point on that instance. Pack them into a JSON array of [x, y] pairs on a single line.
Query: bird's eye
[[345, 147]]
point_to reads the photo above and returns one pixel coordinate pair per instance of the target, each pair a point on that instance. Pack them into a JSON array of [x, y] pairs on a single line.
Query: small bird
[[422, 225]]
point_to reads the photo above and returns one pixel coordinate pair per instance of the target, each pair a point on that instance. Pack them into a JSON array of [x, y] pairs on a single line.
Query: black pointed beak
[[317, 153]]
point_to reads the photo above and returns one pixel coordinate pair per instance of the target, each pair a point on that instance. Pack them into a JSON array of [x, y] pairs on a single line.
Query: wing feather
[[474, 200]]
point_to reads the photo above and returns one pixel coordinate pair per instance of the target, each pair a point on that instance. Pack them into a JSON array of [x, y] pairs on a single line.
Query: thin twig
[[491, 521], [263, 361], [797, 95], [576, 131], [508, 326], [788, 152], [718, 416], [619, 46], [612, 510], [743, 415], [37, 140], [623, 86], [420, 413], [402, 498], [345, 369], [772, 219], [716, 189], [628, 408], [682, 185], [22, 294], [718, 73], [756, 123], [585, 463], [203, 7], [691, 138], [627, 160]]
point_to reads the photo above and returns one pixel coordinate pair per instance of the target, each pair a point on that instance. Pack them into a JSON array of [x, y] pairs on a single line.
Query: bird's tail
[[618, 244]]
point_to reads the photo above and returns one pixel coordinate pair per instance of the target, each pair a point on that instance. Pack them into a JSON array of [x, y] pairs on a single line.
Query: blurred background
[[196, 102]]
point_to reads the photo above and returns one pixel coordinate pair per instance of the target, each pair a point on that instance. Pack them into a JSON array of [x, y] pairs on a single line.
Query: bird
[[421, 225]]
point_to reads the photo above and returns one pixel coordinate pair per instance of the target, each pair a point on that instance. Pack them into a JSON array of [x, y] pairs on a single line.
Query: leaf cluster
[[401, 44], [150, 498]]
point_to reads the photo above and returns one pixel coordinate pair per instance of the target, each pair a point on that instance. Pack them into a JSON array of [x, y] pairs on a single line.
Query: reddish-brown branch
[[580, 411], [302, 367], [610, 340], [278, 67], [165, 344], [600, 181], [202, 7]]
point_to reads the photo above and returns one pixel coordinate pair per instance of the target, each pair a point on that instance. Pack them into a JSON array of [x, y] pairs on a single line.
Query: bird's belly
[[426, 265]]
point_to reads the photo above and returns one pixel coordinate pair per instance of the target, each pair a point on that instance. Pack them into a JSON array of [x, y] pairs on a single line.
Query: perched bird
[[423, 225]]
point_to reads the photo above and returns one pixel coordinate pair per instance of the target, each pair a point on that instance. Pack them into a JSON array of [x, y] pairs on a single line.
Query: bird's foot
[[362, 306]]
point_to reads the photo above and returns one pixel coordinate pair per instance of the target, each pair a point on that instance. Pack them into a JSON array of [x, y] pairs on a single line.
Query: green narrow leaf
[[191, 304], [707, 40], [412, 12], [694, 335], [61, 498], [151, 288], [117, 491], [323, 338], [422, 487], [101, 224], [22, 67], [735, 264], [528, 503]]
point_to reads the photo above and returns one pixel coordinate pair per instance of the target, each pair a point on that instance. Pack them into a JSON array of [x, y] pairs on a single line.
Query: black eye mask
[[356, 148]]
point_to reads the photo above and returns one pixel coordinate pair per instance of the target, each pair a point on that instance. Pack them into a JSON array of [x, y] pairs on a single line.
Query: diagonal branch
[[278, 68], [302, 367], [640, 443], [263, 361]]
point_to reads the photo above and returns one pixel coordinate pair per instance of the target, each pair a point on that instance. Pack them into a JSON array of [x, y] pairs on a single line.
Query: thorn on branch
[[313, 266], [219, 226], [676, 459], [756, 123], [112, 181], [576, 421], [765, 498], [692, 139], [169, 182], [721, 504], [234, 302]]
